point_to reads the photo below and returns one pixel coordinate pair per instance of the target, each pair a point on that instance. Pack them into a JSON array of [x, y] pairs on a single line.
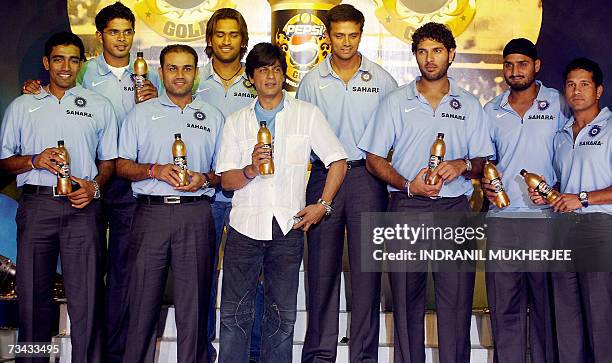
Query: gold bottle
[[265, 136], [501, 197], [179, 152], [140, 73], [539, 185], [64, 185], [438, 149]]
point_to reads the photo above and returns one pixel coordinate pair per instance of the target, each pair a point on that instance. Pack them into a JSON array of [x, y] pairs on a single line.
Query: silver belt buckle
[[348, 166], [172, 199], [55, 195]]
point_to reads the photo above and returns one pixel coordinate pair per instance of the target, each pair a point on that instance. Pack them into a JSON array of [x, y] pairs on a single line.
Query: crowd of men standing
[[347, 115]]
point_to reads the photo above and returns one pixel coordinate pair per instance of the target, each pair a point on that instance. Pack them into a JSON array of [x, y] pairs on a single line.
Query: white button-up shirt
[[300, 128]]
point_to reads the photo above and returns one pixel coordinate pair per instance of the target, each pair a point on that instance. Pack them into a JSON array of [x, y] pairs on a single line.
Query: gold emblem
[[305, 43], [404, 18]]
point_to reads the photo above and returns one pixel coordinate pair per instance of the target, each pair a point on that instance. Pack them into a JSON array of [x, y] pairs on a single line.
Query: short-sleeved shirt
[[96, 75], [148, 132], [210, 89], [406, 122], [586, 163], [82, 118], [525, 143], [300, 128], [347, 107]]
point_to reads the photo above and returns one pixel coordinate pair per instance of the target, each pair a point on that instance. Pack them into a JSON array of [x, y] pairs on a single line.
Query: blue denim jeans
[[244, 258]]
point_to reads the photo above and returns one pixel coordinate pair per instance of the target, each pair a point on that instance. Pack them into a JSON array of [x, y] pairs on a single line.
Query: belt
[[171, 199], [43, 190], [349, 164]]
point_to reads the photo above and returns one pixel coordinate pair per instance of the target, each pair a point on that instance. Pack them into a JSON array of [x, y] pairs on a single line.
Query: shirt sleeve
[[108, 134], [389, 86], [10, 132], [379, 136], [128, 137], [229, 153], [479, 137], [491, 130], [323, 141]]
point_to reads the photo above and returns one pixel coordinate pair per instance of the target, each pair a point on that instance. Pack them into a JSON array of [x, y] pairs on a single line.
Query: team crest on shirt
[[199, 115], [455, 104], [247, 84], [594, 131], [543, 105], [80, 102], [366, 76]]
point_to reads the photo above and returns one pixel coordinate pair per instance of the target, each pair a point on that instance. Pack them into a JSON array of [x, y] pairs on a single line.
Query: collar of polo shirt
[[325, 68], [412, 93], [601, 120], [104, 69], [196, 102], [75, 91], [541, 96]]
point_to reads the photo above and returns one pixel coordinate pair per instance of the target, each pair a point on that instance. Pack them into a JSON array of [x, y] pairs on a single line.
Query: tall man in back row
[[408, 121], [347, 87]]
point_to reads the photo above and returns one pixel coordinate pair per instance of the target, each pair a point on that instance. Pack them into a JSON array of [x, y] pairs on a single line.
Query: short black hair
[[114, 11], [64, 38], [435, 31], [344, 12], [264, 54], [587, 65], [177, 48], [227, 13]]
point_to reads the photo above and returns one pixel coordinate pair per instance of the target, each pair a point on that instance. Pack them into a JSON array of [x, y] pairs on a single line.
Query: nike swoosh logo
[[409, 109], [93, 84], [202, 90], [157, 117], [33, 109], [325, 86], [502, 115]]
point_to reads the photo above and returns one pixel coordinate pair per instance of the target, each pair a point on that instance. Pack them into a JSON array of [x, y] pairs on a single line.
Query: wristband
[[407, 188], [246, 175], [32, 161], [151, 171]]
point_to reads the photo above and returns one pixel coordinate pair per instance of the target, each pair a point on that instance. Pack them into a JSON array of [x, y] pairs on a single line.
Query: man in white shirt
[[268, 212]]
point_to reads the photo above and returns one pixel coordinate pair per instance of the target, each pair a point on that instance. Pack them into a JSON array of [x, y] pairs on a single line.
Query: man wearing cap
[[522, 123], [408, 121], [583, 166], [173, 225], [49, 224], [348, 88]]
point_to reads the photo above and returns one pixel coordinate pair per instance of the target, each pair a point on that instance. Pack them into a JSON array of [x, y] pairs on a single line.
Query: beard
[[520, 85], [439, 74]]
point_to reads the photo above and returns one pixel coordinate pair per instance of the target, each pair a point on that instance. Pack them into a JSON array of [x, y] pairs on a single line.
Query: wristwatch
[[206, 182], [584, 198], [468, 164], [327, 205], [97, 193]]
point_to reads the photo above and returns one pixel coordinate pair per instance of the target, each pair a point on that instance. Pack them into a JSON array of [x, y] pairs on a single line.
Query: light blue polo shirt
[[148, 133], [96, 75], [239, 95], [82, 118], [407, 123], [585, 164], [525, 143], [347, 107]]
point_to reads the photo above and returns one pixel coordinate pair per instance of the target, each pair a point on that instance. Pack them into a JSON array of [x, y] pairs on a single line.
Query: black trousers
[[454, 292], [511, 294], [360, 192], [181, 237], [118, 206], [46, 227], [583, 299]]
